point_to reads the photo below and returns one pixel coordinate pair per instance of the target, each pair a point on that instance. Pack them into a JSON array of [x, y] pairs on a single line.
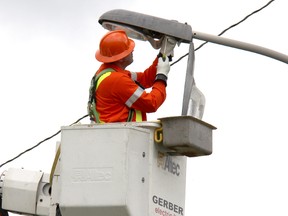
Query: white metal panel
[[138, 173], [118, 169], [168, 184], [20, 190], [43, 196], [95, 166]]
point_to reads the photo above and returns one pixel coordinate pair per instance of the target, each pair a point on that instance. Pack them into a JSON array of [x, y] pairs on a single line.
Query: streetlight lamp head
[[145, 27]]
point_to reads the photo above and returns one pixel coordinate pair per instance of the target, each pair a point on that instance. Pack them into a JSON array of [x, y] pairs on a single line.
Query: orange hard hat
[[114, 46]]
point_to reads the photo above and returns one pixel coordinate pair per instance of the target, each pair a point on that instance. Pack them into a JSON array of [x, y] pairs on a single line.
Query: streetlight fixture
[[153, 29]]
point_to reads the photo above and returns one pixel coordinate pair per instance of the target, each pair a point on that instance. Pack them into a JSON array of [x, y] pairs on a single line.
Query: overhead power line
[[33, 147], [225, 30]]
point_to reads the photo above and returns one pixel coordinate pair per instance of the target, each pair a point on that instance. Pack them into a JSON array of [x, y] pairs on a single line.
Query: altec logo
[[167, 163], [95, 174]]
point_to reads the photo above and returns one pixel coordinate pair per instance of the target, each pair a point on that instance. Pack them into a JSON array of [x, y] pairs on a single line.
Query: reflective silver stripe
[[133, 76], [137, 94]]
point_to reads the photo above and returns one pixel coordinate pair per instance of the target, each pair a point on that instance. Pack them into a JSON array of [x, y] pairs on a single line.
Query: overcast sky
[[47, 60]]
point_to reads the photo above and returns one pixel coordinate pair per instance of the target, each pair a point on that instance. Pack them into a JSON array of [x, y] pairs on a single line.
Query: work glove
[[167, 47], [163, 69]]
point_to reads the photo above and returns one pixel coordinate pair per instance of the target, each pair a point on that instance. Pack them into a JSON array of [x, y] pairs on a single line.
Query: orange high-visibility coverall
[[117, 93]]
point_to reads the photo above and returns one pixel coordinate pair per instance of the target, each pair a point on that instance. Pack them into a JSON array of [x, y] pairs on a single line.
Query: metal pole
[[241, 45]]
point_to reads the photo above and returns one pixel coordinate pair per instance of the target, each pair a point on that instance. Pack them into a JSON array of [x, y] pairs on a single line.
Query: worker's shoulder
[[116, 78], [120, 74]]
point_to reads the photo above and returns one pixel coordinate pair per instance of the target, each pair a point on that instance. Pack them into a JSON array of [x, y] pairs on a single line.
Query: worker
[[118, 95]]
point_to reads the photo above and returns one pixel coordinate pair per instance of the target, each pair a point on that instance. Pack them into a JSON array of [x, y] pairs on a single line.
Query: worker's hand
[[163, 69], [163, 66]]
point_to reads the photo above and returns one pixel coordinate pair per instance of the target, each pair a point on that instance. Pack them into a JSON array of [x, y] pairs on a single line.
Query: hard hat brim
[[109, 59]]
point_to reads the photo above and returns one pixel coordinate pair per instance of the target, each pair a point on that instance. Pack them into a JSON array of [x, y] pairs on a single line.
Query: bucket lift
[[122, 169]]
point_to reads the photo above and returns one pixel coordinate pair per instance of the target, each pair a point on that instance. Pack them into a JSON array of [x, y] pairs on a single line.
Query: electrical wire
[[48, 138], [225, 30]]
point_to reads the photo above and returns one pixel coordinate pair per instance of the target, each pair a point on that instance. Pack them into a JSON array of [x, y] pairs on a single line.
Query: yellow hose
[[54, 164]]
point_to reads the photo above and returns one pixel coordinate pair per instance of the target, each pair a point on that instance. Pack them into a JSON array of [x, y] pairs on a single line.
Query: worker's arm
[[135, 97], [146, 78]]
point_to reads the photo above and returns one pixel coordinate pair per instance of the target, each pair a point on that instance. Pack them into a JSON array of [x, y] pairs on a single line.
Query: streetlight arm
[[151, 27], [241, 45]]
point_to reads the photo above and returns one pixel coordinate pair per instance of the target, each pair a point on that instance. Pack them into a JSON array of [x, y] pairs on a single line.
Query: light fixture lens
[[132, 33]]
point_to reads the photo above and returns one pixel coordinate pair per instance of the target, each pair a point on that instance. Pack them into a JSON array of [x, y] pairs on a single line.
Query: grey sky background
[[47, 60]]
